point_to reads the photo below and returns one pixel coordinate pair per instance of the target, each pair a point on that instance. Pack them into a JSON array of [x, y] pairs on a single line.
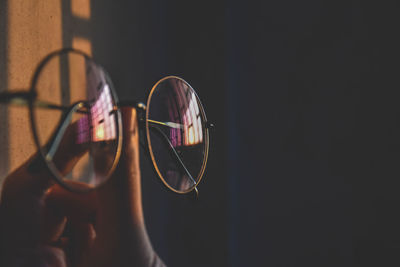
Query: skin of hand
[[42, 224]]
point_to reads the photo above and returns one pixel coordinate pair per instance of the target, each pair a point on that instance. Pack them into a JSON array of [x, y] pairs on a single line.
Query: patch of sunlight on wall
[[34, 30], [76, 65], [80, 8], [82, 44]]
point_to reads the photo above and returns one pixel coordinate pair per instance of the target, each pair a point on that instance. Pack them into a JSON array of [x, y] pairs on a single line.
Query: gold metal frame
[[203, 167], [49, 162], [28, 98]]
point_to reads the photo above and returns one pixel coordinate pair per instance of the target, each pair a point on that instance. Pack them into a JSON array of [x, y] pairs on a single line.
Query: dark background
[[303, 167]]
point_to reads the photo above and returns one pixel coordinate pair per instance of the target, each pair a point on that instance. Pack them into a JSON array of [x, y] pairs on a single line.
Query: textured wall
[[29, 31]]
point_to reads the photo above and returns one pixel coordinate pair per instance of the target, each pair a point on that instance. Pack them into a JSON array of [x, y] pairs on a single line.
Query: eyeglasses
[[77, 126]]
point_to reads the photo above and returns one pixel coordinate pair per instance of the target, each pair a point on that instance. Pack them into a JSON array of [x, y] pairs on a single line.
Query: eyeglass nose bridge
[[133, 104]]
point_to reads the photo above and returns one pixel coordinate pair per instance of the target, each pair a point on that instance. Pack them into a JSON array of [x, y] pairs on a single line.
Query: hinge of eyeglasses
[[209, 125], [196, 193], [141, 106], [132, 103], [193, 195]]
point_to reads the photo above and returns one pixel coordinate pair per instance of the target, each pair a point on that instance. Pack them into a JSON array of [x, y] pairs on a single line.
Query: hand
[[42, 224]]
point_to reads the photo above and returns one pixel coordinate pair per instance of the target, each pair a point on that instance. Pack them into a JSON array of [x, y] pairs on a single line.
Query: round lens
[[178, 140], [75, 119]]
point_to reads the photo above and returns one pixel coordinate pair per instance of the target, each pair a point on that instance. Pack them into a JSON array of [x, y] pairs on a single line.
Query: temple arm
[[174, 152], [23, 98]]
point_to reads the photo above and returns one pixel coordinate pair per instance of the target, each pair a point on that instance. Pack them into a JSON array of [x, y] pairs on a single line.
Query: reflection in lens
[[81, 140], [177, 139]]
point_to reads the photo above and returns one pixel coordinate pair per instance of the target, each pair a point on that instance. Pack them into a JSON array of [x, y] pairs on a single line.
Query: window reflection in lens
[[176, 133], [87, 128], [103, 120], [103, 127], [184, 109]]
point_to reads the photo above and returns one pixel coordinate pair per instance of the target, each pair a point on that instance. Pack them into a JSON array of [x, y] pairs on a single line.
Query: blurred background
[[304, 162]]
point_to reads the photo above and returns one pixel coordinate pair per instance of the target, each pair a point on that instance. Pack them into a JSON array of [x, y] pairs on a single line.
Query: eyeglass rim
[[205, 129], [53, 169], [58, 177]]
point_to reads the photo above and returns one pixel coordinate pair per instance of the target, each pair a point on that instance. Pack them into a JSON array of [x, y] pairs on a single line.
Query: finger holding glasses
[[88, 143], [69, 87], [42, 223], [33, 225]]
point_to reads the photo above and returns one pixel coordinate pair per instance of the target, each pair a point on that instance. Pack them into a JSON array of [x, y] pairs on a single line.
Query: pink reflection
[[183, 109], [83, 130], [103, 120]]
